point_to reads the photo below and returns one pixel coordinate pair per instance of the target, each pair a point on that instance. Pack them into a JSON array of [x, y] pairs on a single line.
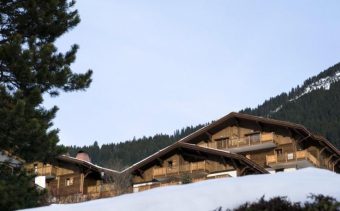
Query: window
[[253, 137], [290, 156], [278, 152], [221, 143], [69, 181], [35, 168], [170, 164]]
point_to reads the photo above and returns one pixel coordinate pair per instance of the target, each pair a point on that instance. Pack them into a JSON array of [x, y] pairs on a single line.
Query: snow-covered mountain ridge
[[323, 83], [314, 104], [226, 192]]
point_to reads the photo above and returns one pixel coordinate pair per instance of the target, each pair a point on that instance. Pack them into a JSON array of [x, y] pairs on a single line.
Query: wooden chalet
[[273, 144], [181, 162], [70, 179], [235, 145]]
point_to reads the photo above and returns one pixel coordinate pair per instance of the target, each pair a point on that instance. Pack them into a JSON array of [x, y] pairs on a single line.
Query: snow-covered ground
[[211, 194]]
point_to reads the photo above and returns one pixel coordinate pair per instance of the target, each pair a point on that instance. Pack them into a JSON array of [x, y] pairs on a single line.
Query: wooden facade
[[180, 162], [69, 180], [272, 144], [235, 145]]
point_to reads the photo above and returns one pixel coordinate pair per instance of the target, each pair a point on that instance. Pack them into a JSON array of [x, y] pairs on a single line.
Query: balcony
[[299, 159], [49, 171], [253, 142], [191, 167]]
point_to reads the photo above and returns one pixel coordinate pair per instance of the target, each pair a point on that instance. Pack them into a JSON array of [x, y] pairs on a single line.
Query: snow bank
[[227, 192]]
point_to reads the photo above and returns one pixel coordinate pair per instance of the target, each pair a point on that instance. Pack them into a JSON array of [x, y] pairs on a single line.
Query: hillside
[[315, 104], [225, 193], [121, 155]]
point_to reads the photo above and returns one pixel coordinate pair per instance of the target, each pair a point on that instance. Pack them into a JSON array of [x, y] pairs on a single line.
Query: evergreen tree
[[31, 67]]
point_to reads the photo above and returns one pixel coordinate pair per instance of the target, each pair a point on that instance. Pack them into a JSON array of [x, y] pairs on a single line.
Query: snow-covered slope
[[211, 194], [315, 84], [323, 83]]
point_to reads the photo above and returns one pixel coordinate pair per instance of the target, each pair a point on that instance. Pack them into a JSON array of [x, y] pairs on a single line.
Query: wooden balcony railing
[[163, 171], [44, 171], [250, 140], [289, 157], [100, 188]]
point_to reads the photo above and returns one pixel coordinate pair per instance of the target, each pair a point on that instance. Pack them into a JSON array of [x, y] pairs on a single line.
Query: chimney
[[82, 155]]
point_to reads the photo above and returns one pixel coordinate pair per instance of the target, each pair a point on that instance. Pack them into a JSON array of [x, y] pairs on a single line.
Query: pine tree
[[31, 67]]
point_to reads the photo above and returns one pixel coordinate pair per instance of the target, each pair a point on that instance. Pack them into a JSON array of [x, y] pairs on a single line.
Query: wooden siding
[[181, 166], [67, 182], [247, 134], [292, 156]]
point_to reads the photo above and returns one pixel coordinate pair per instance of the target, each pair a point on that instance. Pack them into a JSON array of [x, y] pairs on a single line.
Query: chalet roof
[[215, 152], [12, 160], [86, 164], [239, 116]]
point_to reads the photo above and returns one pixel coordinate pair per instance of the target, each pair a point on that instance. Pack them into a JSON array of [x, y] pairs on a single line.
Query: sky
[[164, 65]]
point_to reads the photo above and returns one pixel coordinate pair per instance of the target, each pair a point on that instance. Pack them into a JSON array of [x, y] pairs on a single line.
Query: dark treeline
[[318, 110], [269, 106], [121, 155]]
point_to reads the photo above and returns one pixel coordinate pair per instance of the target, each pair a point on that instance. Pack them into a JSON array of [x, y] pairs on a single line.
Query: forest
[[121, 155], [318, 110]]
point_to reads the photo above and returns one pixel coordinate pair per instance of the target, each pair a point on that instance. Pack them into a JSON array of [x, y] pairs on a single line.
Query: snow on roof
[[69, 158]]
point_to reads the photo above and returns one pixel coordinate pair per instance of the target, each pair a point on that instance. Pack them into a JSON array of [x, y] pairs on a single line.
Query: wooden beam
[[260, 125], [235, 121], [81, 188], [236, 166], [335, 163], [140, 172], [209, 135], [87, 173], [330, 158], [243, 170], [323, 149], [289, 132], [296, 131], [223, 160]]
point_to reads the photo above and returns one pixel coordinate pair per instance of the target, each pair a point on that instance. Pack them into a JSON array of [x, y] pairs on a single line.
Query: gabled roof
[[9, 159], [233, 115], [86, 164], [193, 147]]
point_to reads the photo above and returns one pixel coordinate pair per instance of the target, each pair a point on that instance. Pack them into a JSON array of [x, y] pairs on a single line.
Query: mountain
[[315, 104]]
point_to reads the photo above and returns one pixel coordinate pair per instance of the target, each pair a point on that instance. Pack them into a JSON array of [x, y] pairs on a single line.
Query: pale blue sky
[[163, 65]]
